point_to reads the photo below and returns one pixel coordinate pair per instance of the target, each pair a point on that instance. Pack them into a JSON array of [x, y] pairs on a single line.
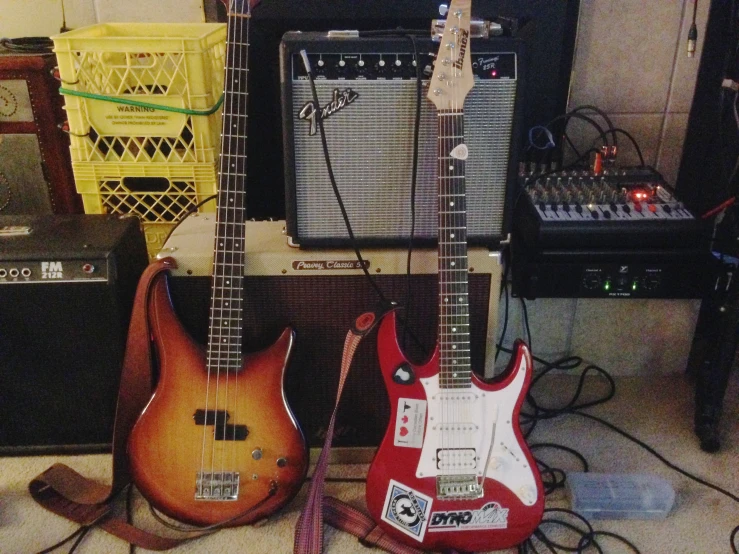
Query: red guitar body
[[407, 504]]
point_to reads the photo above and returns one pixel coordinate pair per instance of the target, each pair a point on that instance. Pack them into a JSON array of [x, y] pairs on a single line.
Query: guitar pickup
[[230, 432], [456, 459], [211, 417]]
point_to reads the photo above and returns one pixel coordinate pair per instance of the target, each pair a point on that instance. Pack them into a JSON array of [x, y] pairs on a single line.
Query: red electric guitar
[[217, 443], [453, 470]]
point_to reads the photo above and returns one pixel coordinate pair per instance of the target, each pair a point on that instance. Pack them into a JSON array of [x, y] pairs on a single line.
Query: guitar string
[[234, 207], [214, 279]]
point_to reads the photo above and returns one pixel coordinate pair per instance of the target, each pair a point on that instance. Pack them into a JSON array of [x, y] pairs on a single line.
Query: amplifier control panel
[[18, 272], [347, 66]]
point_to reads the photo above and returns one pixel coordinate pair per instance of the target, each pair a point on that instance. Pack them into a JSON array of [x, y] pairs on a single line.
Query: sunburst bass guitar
[[453, 470], [218, 444]]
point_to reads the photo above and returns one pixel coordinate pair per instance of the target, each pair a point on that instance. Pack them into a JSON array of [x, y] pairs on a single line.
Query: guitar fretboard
[[454, 328], [225, 332]]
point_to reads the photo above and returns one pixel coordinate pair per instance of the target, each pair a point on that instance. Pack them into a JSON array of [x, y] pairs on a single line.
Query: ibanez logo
[[463, 37], [340, 99]]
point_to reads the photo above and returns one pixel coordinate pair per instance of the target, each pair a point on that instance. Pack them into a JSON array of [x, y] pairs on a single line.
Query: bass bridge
[[220, 485], [458, 486]]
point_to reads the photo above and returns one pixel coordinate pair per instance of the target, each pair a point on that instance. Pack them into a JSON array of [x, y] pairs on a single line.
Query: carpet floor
[[657, 410]]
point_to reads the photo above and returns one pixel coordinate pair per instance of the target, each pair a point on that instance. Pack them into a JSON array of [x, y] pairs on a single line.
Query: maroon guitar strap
[[62, 490], [338, 514]]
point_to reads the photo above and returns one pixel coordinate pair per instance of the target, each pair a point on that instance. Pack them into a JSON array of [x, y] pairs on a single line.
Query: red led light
[[493, 73]]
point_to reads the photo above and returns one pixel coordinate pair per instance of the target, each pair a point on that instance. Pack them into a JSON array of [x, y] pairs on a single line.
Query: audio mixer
[[615, 208], [616, 233]]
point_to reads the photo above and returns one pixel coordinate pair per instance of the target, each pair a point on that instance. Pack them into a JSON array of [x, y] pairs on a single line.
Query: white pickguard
[[459, 420]]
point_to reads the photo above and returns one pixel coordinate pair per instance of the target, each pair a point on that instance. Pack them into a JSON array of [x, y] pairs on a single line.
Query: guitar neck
[[455, 370], [225, 330]]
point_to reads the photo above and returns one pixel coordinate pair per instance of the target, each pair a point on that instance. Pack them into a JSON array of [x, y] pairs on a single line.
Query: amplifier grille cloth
[[371, 147]]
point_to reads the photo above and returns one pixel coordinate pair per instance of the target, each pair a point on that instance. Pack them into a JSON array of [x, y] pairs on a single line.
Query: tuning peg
[[443, 8]]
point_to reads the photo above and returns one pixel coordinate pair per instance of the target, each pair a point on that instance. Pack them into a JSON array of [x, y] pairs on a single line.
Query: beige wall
[[22, 18], [631, 61]]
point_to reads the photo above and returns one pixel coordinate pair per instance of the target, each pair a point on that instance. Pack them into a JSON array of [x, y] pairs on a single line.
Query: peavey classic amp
[[66, 290], [367, 94], [320, 293]]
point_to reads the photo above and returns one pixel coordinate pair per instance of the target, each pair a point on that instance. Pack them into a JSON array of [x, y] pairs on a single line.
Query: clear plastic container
[[620, 495]]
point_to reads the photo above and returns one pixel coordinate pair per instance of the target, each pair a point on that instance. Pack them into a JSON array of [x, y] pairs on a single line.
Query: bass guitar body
[[453, 470], [219, 448]]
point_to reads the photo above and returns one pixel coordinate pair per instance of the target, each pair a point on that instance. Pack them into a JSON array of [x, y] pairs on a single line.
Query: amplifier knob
[[360, 63], [381, 63], [320, 63], [88, 268], [398, 63], [342, 63], [591, 281]]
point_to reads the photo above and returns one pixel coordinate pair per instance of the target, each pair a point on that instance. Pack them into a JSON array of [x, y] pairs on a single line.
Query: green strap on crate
[[141, 104]]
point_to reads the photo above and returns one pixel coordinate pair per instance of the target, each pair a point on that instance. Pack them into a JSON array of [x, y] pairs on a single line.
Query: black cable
[[79, 532], [633, 141], [28, 45], [189, 212], [503, 291], [332, 178], [602, 114], [525, 312], [414, 176]]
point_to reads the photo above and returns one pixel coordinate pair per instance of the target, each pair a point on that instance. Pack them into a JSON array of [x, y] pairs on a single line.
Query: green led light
[[633, 286], [607, 286]]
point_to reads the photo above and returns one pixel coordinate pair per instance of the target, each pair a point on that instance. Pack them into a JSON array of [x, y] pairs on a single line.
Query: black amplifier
[[367, 93], [617, 233], [66, 290]]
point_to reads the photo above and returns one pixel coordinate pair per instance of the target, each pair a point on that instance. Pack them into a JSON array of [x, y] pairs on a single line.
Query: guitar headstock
[[239, 7], [452, 78]]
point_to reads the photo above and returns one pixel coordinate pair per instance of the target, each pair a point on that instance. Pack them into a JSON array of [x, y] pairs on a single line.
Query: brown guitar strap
[[338, 514], [62, 490]]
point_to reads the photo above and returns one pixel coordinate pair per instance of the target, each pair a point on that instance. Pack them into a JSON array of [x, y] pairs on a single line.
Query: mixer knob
[[594, 214], [542, 206], [637, 206], [566, 207], [667, 208], [554, 207], [578, 208], [627, 209], [606, 214], [614, 207]]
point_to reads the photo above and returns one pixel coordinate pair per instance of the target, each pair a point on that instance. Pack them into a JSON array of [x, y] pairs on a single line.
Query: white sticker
[[491, 516], [407, 510], [410, 423]]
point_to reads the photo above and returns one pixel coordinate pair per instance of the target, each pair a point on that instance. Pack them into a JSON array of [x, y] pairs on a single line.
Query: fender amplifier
[[367, 94], [66, 290], [35, 167], [320, 293]]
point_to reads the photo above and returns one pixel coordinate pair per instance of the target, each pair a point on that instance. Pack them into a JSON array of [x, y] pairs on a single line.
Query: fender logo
[[340, 99]]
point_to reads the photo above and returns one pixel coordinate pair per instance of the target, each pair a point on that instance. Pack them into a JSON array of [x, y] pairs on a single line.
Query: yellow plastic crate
[[174, 65], [154, 192], [156, 235], [159, 194]]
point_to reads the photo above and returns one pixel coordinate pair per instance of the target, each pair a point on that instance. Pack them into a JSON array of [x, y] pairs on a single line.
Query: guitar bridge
[[458, 486], [222, 485]]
